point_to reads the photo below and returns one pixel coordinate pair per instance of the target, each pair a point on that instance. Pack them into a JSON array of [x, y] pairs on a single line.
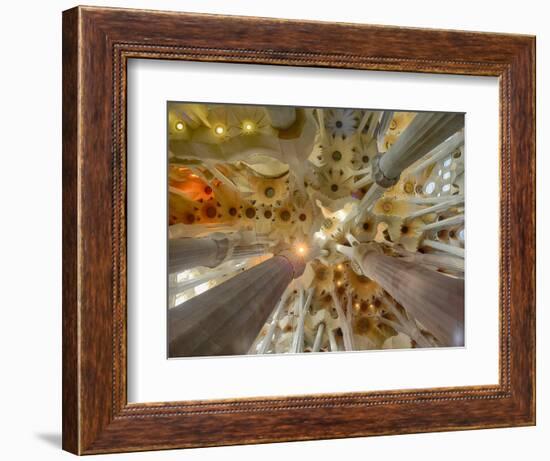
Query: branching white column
[[448, 222], [385, 121], [174, 288], [440, 152], [187, 253], [226, 319], [298, 339], [438, 207], [425, 132], [266, 342], [344, 322], [318, 338], [332, 340], [404, 324], [438, 260], [445, 247], [435, 299]]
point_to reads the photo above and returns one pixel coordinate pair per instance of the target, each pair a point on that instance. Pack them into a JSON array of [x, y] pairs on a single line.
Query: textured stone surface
[[435, 299], [226, 319]]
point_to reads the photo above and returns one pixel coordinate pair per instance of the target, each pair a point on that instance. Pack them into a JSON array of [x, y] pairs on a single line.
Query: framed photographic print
[[281, 230]]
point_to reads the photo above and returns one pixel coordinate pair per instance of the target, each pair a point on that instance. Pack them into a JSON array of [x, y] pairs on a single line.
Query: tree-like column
[[226, 319], [436, 300], [188, 253]]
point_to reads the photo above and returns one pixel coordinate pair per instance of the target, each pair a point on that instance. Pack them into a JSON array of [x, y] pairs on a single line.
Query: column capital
[[296, 261], [379, 176]]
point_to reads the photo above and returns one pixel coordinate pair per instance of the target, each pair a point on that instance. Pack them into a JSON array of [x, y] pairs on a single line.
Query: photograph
[[268, 231], [313, 229]]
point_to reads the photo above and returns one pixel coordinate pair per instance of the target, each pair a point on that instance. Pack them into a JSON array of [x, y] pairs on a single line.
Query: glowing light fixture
[[248, 126], [180, 126], [301, 249], [219, 130]]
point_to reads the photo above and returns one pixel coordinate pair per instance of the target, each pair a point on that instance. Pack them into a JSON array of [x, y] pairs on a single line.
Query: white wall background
[[30, 227]]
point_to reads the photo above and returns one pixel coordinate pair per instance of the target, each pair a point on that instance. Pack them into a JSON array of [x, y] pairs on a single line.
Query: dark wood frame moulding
[[97, 44]]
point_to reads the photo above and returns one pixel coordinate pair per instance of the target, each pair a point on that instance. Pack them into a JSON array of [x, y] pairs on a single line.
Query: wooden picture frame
[[97, 43]]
